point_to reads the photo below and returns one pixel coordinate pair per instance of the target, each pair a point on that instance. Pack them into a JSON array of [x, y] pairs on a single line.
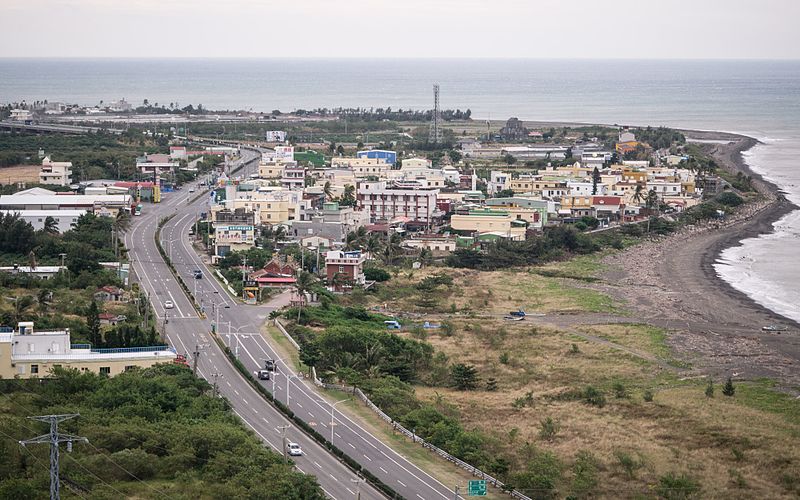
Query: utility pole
[[358, 486], [244, 275], [54, 438], [456, 492], [283, 440], [216, 375], [196, 355]]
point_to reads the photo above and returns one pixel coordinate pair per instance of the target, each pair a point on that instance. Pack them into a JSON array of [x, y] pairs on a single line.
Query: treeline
[[156, 432], [372, 114], [659, 137], [93, 156]]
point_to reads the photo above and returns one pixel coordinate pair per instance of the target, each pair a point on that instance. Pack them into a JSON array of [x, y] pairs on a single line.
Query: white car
[[294, 449], [168, 304]]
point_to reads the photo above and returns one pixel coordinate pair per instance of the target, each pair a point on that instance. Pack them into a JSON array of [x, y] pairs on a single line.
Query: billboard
[[275, 136]]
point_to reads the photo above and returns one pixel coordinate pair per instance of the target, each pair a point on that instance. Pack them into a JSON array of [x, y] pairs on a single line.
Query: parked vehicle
[[392, 325], [180, 359], [518, 313], [774, 328], [294, 449]]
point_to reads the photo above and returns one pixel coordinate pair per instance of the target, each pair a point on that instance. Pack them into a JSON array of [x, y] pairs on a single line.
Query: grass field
[[653, 421], [19, 173]]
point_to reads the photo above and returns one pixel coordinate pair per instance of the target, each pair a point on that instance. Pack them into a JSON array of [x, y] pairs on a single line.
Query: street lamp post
[[358, 487], [333, 407], [289, 377]]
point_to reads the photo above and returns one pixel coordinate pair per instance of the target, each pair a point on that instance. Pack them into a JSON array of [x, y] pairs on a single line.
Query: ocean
[[757, 98]]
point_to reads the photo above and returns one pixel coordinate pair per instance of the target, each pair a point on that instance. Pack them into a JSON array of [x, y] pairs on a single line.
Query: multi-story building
[[233, 231], [502, 223], [154, 165], [363, 167], [293, 177], [29, 353], [344, 270], [332, 222], [55, 173], [385, 202], [388, 157]]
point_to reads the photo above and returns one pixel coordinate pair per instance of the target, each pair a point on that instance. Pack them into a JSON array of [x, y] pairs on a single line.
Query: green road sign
[[476, 488]]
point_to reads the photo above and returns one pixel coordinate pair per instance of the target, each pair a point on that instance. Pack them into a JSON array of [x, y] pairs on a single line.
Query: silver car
[[294, 449]]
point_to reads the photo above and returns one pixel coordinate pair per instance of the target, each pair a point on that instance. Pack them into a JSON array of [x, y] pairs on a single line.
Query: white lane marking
[[333, 477], [420, 496], [236, 392], [367, 458], [401, 483], [298, 404], [310, 414], [317, 464], [351, 491], [384, 470], [337, 434], [351, 446], [245, 401]]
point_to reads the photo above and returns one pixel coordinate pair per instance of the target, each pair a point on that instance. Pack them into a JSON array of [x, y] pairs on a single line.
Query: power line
[[54, 438]]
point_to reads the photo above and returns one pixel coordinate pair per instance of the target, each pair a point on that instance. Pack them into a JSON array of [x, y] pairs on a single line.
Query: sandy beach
[[671, 282]]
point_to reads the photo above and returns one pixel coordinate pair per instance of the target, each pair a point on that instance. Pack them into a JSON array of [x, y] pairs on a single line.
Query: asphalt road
[[239, 326]]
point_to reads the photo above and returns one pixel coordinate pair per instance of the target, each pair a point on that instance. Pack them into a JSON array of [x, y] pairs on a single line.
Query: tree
[[464, 377], [93, 323], [638, 193], [392, 250], [50, 225], [309, 354], [326, 190], [348, 198], [304, 283], [728, 389], [340, 149], [652, 200], [596, 179]]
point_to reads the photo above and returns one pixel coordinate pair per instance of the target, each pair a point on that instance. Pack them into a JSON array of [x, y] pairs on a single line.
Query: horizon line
[[408, 58]]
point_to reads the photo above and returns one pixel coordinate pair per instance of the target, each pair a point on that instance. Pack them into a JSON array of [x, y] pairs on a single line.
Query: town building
[[29, 353], [363, 167], [152, 166], [55, 173], [233, 231], [64, 219], [437, 244], [21, 115], [388, 157], [385, 202], [480, 221], [44, 199], [344, 270], [332, 222], [293, 177], [514, 130]]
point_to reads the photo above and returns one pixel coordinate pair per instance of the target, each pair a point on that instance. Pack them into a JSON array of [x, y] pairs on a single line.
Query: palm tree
[[50, 225], [651, 201], [326, 190], [303, 284], [373, 244], [392, 250], [638, 194], [356, 240], [348, 199], [121, 224]]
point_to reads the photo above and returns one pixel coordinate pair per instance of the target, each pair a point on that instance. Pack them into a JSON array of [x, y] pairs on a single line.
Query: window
[[341, 269], [130, 367], [34, 369], [105, 370]]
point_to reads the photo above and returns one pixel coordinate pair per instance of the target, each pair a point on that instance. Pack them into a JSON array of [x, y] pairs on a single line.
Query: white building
[[498, 181], [384, 202], [29, 353], [55, 173], [275, 136], [20, 115], [43, 199], [577, 188], [64, 218]]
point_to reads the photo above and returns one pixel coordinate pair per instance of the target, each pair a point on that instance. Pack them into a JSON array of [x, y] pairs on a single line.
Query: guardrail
[[289, 337], [416, 439]]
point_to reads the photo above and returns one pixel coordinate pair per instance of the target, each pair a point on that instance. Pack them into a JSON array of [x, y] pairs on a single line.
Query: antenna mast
[[435, 135]]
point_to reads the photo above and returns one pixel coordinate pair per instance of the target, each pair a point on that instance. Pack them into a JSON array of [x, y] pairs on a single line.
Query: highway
[[185, 331]]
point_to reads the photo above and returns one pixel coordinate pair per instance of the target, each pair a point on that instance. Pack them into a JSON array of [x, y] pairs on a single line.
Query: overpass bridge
[[56, 128]]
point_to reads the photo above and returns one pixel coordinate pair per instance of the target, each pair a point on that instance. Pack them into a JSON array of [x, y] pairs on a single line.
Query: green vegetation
[[153, 432], [93, 156]]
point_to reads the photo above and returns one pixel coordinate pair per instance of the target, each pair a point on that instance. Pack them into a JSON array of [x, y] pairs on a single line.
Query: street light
[[333, 406], [358, 486], [275, 372], [289, 377]]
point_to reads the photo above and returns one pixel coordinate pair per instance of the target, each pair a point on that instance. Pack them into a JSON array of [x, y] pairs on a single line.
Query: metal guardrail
[[416, 439], [289, 337], [113, 350]]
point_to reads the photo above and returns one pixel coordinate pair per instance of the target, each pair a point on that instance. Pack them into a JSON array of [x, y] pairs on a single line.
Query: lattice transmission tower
[[435, 135]]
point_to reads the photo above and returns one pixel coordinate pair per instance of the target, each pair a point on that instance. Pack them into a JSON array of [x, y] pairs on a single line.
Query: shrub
[[548, 428], [594, 397], [628, 463], [710, 389], [464, 377], [584, 472], [523, 401], [729, 390], [648, 396], [574, 349], [376, 274], [491, 385], [504, 358], [729, 199], [677, 487], [619, 390]]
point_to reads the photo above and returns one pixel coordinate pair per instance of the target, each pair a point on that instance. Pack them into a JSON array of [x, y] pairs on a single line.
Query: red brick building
[[344, 270]]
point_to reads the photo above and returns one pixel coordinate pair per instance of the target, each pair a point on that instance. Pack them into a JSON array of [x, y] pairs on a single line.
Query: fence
[[402, 430]]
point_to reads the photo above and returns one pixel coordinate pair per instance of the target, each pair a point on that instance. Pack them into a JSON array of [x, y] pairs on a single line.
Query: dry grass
[[714, 440], [19, 173]]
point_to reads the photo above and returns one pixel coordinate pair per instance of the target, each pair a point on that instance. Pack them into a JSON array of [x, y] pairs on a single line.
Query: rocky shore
[[671, 282]]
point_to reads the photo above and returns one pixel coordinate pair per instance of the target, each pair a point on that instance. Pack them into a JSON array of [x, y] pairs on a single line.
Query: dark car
[[198, 274], [269, 365]]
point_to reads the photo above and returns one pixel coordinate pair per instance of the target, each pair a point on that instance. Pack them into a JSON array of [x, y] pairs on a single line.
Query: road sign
[[476, 488]]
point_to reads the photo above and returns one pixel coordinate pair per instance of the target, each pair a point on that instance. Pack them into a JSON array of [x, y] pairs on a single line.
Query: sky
[[628, 29]]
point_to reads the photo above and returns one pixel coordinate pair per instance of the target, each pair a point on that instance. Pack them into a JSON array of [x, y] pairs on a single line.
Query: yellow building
[[28, 353], [270, 170], [501, 222]]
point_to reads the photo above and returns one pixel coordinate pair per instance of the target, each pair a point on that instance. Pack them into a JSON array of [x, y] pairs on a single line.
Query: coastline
[[671, 282]]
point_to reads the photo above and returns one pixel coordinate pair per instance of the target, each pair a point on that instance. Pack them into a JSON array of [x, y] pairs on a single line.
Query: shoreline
[[671, 282]]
